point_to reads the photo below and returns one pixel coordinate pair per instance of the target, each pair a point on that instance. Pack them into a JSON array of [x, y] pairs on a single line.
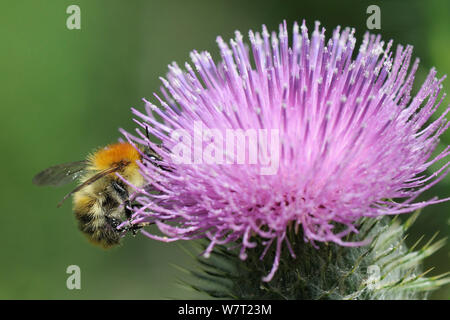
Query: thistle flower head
[[338, 137]]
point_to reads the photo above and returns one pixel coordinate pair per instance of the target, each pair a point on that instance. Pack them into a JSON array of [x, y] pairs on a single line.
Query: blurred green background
[[65, 92]]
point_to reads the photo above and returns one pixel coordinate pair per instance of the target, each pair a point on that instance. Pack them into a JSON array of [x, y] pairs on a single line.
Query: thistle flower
[[349, 141]]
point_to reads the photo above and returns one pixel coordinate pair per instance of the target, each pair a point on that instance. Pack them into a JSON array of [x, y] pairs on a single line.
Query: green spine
[[384, 269]]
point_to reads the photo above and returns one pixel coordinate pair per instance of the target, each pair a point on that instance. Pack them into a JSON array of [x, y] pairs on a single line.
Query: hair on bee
[[101, 201]]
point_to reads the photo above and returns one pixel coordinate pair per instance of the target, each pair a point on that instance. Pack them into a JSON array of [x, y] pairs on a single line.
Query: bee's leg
[[113, 222], [122, 192], [134, 228], [128, 212]]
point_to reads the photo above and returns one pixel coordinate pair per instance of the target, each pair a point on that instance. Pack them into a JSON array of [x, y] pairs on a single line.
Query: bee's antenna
[[155, 155], [146, 133], [148, 137]]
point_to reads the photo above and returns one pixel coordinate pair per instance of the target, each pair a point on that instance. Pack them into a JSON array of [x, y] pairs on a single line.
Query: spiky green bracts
[[384, 269]]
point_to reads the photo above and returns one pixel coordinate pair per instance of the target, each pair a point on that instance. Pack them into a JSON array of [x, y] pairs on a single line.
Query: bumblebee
[[101, 200]]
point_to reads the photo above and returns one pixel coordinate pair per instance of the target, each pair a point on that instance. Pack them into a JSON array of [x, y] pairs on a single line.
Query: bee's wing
[[94, 178], [60, 174]]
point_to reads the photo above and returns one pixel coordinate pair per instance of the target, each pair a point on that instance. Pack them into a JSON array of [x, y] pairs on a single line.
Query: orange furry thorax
[[122, 152]]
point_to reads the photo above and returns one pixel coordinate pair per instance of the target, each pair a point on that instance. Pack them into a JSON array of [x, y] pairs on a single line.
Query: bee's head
[[154, 157], [151, 154]]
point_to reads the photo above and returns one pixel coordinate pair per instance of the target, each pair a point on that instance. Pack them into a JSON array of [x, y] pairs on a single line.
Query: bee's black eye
[[155, 158]]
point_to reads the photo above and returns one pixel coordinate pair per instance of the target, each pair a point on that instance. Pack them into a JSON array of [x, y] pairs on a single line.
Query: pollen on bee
[[114, 153]]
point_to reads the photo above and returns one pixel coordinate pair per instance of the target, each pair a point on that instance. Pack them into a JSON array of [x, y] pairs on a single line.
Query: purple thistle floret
[[353, 142]]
